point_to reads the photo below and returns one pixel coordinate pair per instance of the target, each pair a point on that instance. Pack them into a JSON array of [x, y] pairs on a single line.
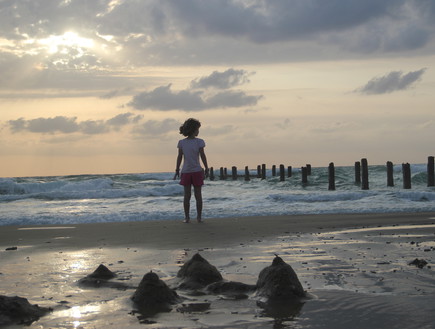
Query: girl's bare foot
[[186, 221]]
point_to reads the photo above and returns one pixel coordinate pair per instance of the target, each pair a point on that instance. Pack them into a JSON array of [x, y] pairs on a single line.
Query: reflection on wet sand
[[359, 277]]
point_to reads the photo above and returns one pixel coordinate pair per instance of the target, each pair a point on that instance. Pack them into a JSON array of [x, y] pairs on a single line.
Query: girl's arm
[[204, 160], [177, 166]]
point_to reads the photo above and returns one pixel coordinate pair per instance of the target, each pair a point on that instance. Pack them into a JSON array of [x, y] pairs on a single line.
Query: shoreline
[[214, 232]]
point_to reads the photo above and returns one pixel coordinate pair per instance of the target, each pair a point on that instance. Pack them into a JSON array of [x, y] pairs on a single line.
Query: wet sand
[[355, 267]]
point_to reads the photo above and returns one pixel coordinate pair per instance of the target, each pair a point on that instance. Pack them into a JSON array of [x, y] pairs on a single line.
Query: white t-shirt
[[190, 148]]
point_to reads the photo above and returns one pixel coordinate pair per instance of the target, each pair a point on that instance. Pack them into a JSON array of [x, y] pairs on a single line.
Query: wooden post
[[263, 171], [365, 174], [406, 170], [430, 171], [258, 171], [357, 172], [304, 175], [274, 170], [225, 173], [331, 176], [281, 173], [308, 169], [234, 172], [390, 179], [247, 178], [289, 171], [211, 173], [222, 176]]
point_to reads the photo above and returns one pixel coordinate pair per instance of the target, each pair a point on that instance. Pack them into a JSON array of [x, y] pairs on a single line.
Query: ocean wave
[[417, 196], [10, 186], [151, 196], [321, 197], [96, 188]]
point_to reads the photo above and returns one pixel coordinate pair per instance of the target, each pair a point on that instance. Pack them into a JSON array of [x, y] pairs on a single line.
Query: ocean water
[[156, 196]]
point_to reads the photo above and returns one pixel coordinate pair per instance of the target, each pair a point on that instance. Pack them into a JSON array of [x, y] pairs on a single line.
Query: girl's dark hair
[[189, 127]]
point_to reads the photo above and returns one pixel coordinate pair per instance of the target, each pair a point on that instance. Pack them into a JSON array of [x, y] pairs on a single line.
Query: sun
[[65, 42]]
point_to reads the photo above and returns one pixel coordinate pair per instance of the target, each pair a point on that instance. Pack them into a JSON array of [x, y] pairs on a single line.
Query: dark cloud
[[407, 38], [164, 99], [68, 125], [196, 99], [164, 21], [92, 127], [391, 82], [258, 20], [127, 35], [222, 80], [45, 125], [17, 125], [271, 21], [278, 24]]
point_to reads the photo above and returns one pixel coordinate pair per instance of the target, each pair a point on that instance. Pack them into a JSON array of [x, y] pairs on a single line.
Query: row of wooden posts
[[361, 173]]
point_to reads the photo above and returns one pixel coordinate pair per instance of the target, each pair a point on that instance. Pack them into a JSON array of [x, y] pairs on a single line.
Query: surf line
[[47, 228]]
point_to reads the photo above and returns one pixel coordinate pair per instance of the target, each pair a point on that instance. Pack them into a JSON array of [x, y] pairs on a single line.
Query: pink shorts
[[192, 178]]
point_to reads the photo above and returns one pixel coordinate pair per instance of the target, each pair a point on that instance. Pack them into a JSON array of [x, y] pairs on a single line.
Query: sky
[[102, 86]]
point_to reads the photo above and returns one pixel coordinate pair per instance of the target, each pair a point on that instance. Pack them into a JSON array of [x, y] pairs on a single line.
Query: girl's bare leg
[[198, 198], [186, 202]]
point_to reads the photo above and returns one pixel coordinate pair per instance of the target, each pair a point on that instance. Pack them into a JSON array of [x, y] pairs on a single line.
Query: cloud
[[256, 20], [45, 125], [393, 81], [222, 80], [116, 93], [124, 119], [126, 33], [110, 94], [164, 99], [17, 125], [284, 26], [69, 125], [231, 99], [196, 99], [156, 129], [271, 21], [31, 72], [92, 127], [79, 48]]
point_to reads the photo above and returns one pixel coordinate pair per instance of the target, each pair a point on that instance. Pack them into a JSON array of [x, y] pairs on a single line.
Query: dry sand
[[355, 266]]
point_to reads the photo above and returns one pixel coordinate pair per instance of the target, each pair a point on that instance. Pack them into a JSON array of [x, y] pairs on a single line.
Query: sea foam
[[156, 196]]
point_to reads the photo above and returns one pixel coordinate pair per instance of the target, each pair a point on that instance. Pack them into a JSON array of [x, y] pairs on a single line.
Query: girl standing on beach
[[191, 149]]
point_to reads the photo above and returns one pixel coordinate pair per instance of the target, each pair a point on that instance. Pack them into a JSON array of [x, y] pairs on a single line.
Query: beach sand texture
[[356, 268]]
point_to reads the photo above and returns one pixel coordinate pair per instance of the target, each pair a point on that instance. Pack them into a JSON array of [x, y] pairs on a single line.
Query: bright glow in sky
[[102, 86], [64, 43]]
